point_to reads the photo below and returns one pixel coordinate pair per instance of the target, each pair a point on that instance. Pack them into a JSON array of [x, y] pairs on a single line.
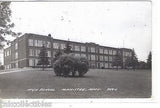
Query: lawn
[[97, 83]]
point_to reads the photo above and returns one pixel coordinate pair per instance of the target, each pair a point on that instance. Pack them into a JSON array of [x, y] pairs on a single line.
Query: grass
[[97, 83]]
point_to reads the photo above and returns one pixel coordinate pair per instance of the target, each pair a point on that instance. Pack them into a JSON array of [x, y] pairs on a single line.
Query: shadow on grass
[[82, 77]]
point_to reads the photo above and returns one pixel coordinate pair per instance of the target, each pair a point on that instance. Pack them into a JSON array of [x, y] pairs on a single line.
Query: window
[[44, 43], [110, 52], [101, 65], [106, 65], [83, 55], [30, 42], [36, 62], [83, 48], [71, 46], [89, 49], [48, 44], [16, 46], [92, 49], [110, 58], [110, 65], [89, 57], [16, 55], [10, 66], [31, 62], [31, 52], [49, 53], [37, 51], [16, 65], [39, 43], [56, 45], [130, 54], [97, 58], [77, 48], [105, 51], [77, 55], [54, 54], [106, 58], [101, 58], [114, 52], [49, 62], [6, 53], [92, 65], [63, 46], [127, 54], [93, 57], [36, 42], [101, 51]]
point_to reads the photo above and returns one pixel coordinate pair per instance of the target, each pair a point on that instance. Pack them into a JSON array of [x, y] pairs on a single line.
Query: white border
[[145, 103]]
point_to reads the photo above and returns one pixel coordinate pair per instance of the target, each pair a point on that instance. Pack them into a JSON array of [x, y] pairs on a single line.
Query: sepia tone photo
[[57, 50]]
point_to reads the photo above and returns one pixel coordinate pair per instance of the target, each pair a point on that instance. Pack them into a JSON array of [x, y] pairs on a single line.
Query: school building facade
[[24, 51]]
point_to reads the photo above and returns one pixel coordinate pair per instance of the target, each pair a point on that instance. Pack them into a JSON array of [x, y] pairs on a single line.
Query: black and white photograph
[[75, 50]]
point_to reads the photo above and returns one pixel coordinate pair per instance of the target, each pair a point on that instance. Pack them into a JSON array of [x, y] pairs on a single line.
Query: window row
[[39, 43], [101, 58], [105, 51], [106, 65], [34, 62], [127, 54], [101, 65], [78, 55], [35, 52], [75, 48], [57, 45], [8, 66]]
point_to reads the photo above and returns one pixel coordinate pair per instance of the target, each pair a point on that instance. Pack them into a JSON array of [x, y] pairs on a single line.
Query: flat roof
[[89, 43]]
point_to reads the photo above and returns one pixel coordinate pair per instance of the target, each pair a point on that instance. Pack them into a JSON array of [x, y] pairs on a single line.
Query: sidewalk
[[24, 69], [8, 70]]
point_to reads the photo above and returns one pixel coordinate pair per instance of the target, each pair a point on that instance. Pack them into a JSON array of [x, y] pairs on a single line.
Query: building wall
[[29, 45], [7, 58]]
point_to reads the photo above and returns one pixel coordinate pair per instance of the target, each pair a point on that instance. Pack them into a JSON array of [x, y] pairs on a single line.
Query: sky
[[114, 24]]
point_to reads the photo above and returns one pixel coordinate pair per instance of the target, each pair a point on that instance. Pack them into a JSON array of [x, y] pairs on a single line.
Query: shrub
[[68, 63]]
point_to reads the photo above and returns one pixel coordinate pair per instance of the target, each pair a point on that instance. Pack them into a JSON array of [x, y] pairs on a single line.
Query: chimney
[[49, 35]]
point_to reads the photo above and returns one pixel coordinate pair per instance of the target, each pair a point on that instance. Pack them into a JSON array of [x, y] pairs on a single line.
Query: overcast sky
[[105, 23]]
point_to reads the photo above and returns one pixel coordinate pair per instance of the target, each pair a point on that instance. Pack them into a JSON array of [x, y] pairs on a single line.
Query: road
[[97, 83]]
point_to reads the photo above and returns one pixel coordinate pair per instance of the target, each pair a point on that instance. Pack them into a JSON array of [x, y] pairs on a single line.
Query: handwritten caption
[[70, 89]]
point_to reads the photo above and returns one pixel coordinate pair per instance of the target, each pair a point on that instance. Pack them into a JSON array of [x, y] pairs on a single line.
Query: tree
[[67, 50], [132, 61], [142, 65], [149, 61], [43, 57], [128, 62], [5, 23], [58, 53], [117, 61]]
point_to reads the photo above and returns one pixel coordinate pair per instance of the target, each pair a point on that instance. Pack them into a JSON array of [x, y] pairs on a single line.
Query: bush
[[68, 63], [1, 67]]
